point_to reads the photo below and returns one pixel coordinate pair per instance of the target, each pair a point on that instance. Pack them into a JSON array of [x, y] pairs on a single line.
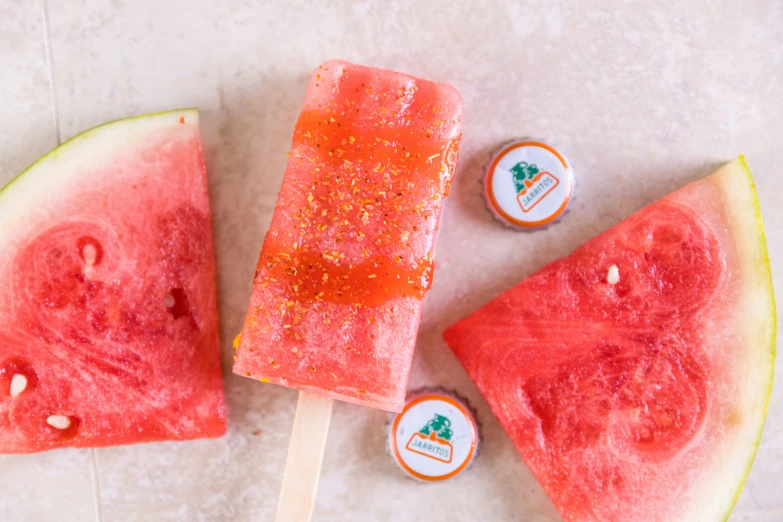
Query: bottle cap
[[528, 184], [435, 437]]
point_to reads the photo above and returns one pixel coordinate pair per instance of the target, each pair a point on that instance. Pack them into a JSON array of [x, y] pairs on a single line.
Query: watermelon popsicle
[[339, 284]]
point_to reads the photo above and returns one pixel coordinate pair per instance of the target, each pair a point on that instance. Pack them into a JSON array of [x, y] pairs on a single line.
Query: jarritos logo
[[532, 184], [433, 440]]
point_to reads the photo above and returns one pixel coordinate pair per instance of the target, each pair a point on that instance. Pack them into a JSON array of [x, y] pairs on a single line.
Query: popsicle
[[337, 294], [338, 288]]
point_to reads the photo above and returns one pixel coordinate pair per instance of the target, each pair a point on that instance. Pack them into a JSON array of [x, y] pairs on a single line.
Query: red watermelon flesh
[[641, 400], [338, 289], [108, 319]]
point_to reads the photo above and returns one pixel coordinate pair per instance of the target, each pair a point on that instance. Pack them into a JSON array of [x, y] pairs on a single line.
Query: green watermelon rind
[[95, 132], [754, 225]]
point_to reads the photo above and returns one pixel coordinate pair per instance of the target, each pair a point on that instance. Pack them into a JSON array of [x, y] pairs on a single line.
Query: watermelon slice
[[108, 319], [633, 375]]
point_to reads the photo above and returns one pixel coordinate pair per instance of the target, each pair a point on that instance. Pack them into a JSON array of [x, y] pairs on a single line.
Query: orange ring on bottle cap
[[434, 438], [528, 184]]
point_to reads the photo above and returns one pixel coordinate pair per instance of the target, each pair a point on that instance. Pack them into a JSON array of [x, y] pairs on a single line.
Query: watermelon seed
[[90, 250], [177, 303], [61, 422], [613, 276], [90, 254], [18, 384]]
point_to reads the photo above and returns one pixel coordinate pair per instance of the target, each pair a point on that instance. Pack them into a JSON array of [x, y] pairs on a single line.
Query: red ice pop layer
[[338, 289]]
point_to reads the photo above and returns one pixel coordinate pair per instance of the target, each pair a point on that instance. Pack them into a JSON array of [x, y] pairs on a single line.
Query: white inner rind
[[718, 487], [26, 199]]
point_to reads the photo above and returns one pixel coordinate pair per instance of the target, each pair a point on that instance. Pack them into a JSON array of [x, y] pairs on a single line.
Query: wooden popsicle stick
[[305, 453]]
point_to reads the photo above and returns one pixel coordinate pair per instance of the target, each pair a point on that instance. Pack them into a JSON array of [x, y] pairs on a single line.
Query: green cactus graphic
[[522, 171], [440, 426]]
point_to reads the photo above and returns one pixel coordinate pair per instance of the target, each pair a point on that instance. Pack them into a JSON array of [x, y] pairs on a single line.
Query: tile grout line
[[96, 487], [96, 490], [50, 68]]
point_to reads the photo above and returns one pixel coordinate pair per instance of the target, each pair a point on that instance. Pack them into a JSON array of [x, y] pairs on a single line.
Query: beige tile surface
[[54, 485], [642, 96], [26, 121]]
